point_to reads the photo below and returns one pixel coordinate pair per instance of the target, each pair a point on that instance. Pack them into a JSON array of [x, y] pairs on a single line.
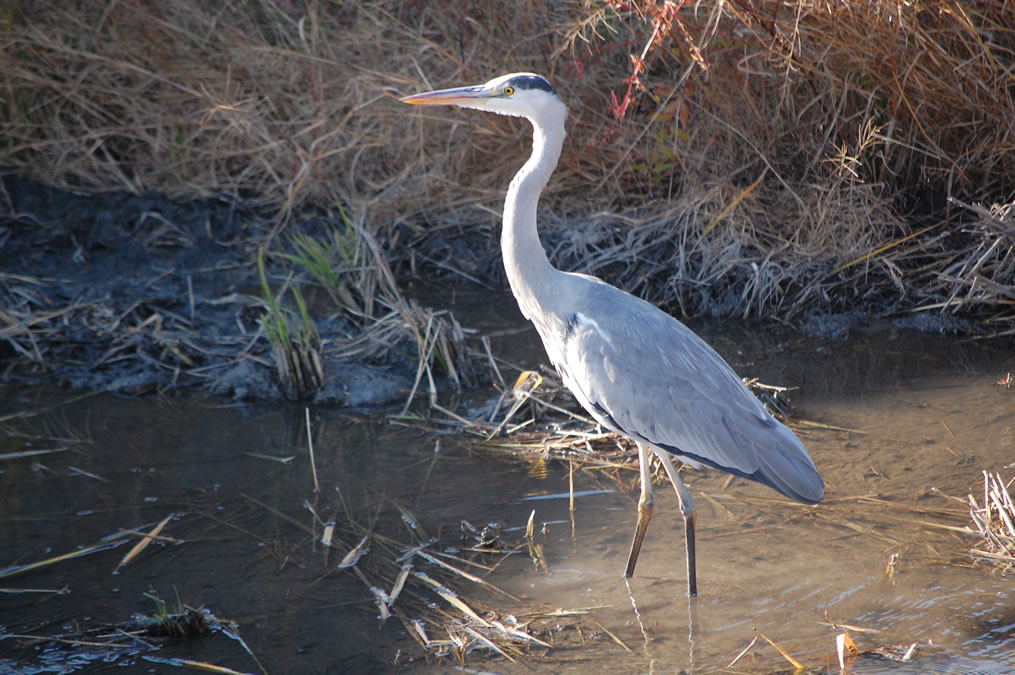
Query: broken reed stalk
[[310, 448], [995, 521], [416, 577]]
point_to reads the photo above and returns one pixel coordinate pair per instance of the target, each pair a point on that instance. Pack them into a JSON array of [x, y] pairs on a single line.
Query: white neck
[[525, 261]]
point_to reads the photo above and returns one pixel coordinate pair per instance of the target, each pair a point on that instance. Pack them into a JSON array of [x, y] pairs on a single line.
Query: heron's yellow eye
[[509, 90]]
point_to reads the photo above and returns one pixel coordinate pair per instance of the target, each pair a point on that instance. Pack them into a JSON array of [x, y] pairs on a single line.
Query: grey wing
[[643, 373]]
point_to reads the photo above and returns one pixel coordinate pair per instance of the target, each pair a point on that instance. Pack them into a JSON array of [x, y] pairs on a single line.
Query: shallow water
[[918, 418]]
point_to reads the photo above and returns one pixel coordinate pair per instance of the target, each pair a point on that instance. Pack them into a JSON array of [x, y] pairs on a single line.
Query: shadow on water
[[916, 419]]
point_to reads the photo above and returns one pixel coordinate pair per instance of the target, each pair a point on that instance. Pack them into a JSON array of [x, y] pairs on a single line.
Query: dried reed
[[995, 522], [767, 158]]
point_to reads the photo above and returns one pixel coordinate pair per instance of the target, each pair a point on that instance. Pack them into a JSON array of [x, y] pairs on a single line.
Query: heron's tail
[[782, 461], [785, 465]]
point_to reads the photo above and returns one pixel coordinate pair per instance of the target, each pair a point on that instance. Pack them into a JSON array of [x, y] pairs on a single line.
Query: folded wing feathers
[[658, 382]]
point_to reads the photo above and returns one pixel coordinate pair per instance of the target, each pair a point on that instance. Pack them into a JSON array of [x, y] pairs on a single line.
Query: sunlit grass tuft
[[295, 341]]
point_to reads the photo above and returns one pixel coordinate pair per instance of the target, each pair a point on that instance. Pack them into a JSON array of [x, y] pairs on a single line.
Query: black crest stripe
[[532, 82]]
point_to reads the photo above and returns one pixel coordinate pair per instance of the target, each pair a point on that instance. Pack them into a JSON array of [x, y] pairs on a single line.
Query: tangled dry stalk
[[994, 522], [766, 158]]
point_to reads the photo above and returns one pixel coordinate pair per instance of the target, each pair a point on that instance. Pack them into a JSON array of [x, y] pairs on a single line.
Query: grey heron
[[637, 370]]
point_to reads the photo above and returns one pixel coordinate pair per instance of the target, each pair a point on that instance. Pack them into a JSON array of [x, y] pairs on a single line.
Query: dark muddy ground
[[135, 294]]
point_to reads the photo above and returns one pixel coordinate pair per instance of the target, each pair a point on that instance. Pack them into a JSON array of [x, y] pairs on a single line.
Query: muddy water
[[916, 419]]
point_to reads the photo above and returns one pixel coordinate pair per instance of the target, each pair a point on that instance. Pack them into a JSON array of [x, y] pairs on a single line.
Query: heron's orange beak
[[456, 96]]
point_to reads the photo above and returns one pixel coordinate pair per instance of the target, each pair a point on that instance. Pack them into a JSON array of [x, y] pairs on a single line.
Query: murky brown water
[[923, 414]]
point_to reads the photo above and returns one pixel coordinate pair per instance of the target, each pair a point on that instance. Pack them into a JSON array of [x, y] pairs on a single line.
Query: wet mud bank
[[137, 294]]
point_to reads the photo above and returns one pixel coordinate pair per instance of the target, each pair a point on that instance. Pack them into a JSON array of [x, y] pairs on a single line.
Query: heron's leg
[[644, 508], [687, 509]]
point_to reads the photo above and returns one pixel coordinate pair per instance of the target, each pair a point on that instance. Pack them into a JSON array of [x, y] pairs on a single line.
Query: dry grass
[[842, 133], [994, 521], [787, 157]]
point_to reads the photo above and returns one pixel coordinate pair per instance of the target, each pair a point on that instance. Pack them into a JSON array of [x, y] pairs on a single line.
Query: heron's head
[[518, 94]]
